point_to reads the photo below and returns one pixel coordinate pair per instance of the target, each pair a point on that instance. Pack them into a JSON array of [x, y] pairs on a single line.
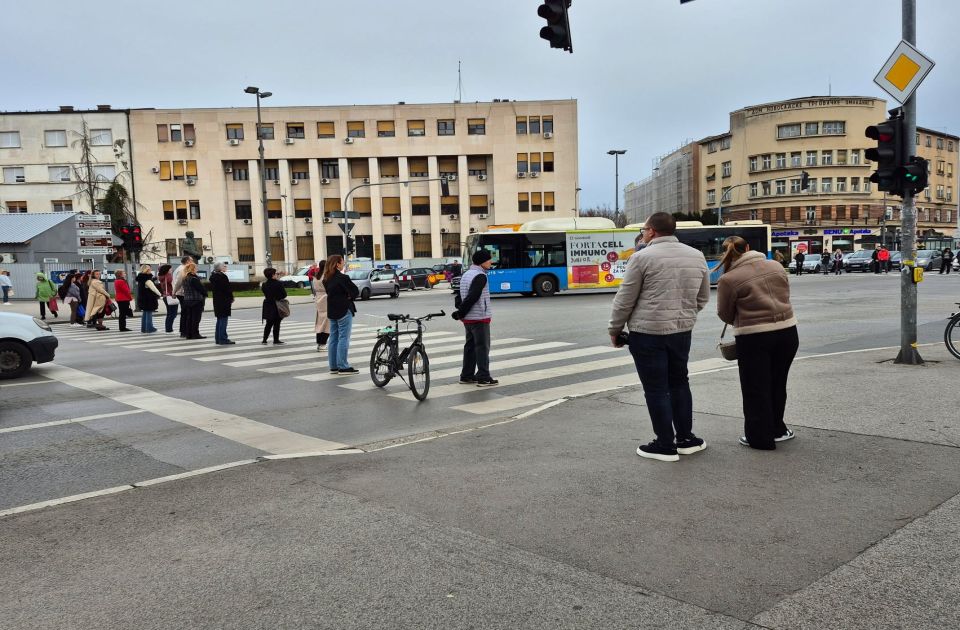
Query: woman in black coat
[[222, 301], [341, 293], [273, 292], [194, 295]]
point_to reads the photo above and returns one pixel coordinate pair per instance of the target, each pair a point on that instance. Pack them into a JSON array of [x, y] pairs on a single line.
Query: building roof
[[936, 133], [18, 228]]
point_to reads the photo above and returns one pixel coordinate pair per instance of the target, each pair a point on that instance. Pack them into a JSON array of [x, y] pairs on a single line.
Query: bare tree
[[619, 218]]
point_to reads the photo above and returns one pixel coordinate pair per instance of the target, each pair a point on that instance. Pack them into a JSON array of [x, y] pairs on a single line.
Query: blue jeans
[[220, 332], [171, 315], [339, 343], [6, 290], [661, 362], [146, 322]]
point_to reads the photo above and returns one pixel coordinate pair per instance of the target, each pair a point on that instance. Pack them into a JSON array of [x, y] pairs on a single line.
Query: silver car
[[375, 282]]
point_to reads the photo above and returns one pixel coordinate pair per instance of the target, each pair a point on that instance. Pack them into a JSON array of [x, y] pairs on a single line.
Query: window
[[753, 189], [476, 126], [918, 140], [841, 212], [927, 143], [536, 204], [13, 175], [269, 172], [753, 215], [192, 169], [299, 172], [417, 167], [101, 137], [189, 133], [390, 206], [533, 124], [416, 128], [854, 184], [765, 188], [841, 184], [788, 131], [234, 131], [176, 133], [855, 156], [826, 212], [478, 204], [447, 166], [178, 170], [168, 214], [386, 129], [194, 210], [181, 209], [781, 186], [811, 129], [243, 210], [795, 213], [450, 243], [523, 202], [63, 206], [302, 209], [330, 169], [812, 184], [753, 163], [446, 127], [15, 207], [521, 126], [240, 172], [765, 160], [949, 169], [549, 204], [712, 146], [866, 185], [826, 158], [331, 204], [305, 248], [277, 249], [57, 138], [170, 245], [477, 164], [59, 173], [939, 191], [361, 205], [450, 205], [939, 143], [420, 206], [359, 168], [712, 196], [163, 133], [941, 166], [548, 128], [724, 143], [245, 251], [949, 148], [355, 129], [422, 247], [295, 130], [727, 168], [811, 213], [841, 157], [781, 160], [794, 186], [711, 172], [326, 129], [826, 184], [389, 167], [781, 214], [274, 209], [521, 162], [105, 172], [266, 131], [9, 139], [535, 163], [796, 159], [834, 128], [811, 158]]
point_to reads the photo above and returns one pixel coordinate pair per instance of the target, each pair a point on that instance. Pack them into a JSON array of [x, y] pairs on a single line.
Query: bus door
[[506, 273]]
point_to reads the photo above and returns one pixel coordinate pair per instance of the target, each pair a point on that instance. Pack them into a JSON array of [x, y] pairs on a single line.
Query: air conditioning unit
[[348, 140], [481, 178], [547, 134], [396, 219], [307, 219], [483, 216], [366, 180], [182, 221], [67, 179], [277, 182], [209, 259], [309, 233], [191, 181], [414, 231], [443, 230], [294, 182], [8, 259], [453, 217], [248, 221], [534, 174], [227, 169], [451, 178], [234, 142], [21, 179], [521, 174], [473, 230], [324, 181], [155, 169], [327, 220], [288, 140], [188, 143]]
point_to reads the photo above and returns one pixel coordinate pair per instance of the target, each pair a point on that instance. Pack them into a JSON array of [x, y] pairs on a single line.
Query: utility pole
[[908, 289], [268, 256], [616, 153]]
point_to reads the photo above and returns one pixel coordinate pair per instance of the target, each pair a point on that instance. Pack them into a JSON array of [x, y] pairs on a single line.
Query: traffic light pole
[[909, 354]]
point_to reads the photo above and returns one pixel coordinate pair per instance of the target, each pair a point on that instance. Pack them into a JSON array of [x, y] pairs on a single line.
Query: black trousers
[[190, 319], [476, 351], [945, 266], [764, 360], [123, 312], [183, 317], [322, 338], [274, 325]]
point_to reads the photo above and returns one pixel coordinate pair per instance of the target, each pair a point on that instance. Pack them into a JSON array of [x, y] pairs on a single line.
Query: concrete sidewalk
[[550, 521]]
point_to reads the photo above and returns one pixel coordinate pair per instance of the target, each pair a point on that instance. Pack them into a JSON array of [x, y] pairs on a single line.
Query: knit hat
[[481, 256]]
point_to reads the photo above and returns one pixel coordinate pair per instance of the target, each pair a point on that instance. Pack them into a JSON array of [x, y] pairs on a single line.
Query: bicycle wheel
[[381, 361], [418, 366], [951, 336]]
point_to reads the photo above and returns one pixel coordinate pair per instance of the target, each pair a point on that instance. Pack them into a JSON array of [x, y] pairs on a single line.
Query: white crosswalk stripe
[[361, 347]]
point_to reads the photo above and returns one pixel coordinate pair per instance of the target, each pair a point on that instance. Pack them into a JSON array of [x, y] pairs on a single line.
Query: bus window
[[504, 250], [545, 250]]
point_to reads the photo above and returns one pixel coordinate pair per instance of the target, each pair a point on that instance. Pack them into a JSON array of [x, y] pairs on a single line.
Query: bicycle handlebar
[[407, 318]]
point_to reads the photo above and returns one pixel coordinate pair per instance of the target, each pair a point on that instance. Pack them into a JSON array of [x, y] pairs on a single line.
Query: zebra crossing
[[530, 371]]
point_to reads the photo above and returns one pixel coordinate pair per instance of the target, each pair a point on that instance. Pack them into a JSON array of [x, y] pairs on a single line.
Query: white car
[[297, 279], [24, 340]]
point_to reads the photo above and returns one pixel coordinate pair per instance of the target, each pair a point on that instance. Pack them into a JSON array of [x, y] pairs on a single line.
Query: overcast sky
[[648, 74]]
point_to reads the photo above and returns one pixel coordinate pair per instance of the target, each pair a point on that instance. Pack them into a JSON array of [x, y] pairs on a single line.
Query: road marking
[[25, 384], [296, 348], [263, 437], [361, 347], [53, 423], [71, 499]]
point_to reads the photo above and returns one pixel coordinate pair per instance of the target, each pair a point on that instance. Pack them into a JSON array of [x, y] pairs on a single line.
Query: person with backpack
[[46, 295], [474, 311]]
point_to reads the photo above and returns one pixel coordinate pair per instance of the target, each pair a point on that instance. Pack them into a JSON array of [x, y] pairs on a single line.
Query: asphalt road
[[120, 408]]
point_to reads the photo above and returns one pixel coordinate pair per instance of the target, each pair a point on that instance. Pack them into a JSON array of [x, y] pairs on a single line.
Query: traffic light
[[888, 154], [132, 237], [351, 245], [913, 176], [557, 30]]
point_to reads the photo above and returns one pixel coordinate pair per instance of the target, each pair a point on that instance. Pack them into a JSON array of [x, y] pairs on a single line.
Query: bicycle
[[387, 360], [951, 336]]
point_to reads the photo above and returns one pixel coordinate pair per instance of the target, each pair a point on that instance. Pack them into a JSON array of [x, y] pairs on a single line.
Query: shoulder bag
[[728, 349], [283, 308]]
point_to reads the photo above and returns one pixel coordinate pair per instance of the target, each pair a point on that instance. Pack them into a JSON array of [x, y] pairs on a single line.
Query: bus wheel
[[544, 286]]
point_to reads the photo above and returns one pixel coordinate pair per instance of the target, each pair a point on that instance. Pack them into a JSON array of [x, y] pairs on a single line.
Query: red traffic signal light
[[557, 30], [889, 154]]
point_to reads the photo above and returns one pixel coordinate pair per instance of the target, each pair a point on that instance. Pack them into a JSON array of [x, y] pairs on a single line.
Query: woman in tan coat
[[97, 299], [753, 295], [321, 323]]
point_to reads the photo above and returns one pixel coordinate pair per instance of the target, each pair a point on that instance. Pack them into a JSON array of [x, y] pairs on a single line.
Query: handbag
[[52, 305], [283, 308], [728, 349], [170, 300]]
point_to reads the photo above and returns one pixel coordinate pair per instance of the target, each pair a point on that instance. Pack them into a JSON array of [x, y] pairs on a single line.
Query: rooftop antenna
[[459, 83], [829, 85]]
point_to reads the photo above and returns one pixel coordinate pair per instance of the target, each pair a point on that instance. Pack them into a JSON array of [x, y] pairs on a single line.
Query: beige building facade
[[197, 170]]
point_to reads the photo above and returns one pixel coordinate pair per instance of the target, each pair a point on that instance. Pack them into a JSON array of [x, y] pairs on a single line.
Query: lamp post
[[263, 182], [616, 153]]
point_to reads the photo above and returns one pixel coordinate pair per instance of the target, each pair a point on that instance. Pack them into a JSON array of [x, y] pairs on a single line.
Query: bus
[[545, 256]]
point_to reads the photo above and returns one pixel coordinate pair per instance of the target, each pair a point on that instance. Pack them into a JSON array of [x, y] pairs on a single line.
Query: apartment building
[[672, 187], [45, 166], [197, 170]]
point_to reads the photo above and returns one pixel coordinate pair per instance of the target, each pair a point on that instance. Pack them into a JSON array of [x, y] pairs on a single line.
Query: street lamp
[[616, 153], [263, 182]]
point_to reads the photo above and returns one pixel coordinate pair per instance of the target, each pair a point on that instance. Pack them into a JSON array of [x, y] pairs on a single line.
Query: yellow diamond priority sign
[[903, 72]]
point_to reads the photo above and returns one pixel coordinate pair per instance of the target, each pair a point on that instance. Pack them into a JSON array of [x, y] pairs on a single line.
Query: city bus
[[545, 256]]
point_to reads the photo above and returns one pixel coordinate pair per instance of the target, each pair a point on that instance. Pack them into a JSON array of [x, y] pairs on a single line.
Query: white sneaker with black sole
[[348, 371], [789, 435]]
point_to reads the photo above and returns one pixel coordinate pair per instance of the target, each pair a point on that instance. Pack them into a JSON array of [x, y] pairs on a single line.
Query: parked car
[[297, 279], [414, 277], [24, 340], [860, 260], [373, 282], [929, 259], [896, 260], [811, 264]]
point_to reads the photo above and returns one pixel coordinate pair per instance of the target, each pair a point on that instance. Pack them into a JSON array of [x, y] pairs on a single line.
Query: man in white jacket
[[664, 287]]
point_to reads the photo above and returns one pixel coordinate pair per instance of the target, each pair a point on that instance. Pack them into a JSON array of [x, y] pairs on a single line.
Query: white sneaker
[[321, 348]]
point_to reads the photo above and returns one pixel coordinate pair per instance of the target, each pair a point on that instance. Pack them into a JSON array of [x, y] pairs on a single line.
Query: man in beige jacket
[[664, 287]]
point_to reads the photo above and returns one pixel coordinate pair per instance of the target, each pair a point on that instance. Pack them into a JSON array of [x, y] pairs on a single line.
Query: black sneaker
[[655, 450], [468, 381], [690, 445], [789, 435], [487, 382], [334, 371], [349, 370]]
